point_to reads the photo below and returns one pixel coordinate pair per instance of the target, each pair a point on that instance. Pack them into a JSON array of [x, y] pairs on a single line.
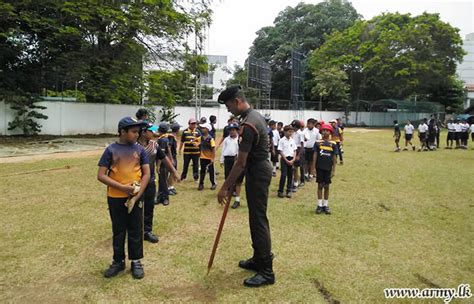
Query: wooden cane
[[219, 232]]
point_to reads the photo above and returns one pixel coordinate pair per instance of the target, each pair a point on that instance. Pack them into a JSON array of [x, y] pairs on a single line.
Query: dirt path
[[59, 155]]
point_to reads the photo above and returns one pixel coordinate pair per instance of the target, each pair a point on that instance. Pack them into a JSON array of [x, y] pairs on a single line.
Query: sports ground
[[399, 220]]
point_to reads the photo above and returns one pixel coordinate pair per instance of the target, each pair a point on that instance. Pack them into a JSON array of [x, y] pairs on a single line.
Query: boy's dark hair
[[141, 113], [311, 120], [212, 118], [395, 121], [296, 124], [272, 123], [280, 123], [287, 128]]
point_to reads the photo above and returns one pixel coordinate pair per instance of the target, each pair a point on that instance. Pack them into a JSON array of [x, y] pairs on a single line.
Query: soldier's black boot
[[264, 275], [249, 264]]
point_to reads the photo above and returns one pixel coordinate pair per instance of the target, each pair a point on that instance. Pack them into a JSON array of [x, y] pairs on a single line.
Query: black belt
[[229, 157]]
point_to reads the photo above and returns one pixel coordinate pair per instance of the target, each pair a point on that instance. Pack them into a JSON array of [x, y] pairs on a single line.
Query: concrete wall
[[67, 118]]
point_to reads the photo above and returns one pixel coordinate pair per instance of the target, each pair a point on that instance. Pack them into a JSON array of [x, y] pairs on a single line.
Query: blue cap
[[129, 122], [233, 126], [164, 127], [152, 128]]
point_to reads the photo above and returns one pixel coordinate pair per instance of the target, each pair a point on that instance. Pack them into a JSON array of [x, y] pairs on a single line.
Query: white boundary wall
[[68, 118]]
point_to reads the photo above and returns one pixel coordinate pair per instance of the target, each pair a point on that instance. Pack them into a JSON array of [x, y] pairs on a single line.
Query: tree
[[393, 55], [331, 84], [169, 88], [56, 44], [303, 28]]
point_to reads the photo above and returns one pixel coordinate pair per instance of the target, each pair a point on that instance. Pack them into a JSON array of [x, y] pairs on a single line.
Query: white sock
[[237, 199], [325, 203], [170, 188], [135, 261], [320, 202]]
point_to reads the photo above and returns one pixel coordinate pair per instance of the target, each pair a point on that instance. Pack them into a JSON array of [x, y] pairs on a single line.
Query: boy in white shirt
[[409, 129], [311, 135], [422, 135], [298, 137], [464, 134], [457, 133], [451, 134], [276, 138], [287, 149], [230, 149]]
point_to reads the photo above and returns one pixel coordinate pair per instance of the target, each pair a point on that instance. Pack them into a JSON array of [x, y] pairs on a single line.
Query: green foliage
[[169, 88], [26, 114], [303, 28], [332, 84], [393, 55], [167, 115], [55, 44], [80, 96], [239, 76]]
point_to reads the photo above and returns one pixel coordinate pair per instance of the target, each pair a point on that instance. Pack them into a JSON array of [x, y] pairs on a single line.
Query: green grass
[[399, 220]]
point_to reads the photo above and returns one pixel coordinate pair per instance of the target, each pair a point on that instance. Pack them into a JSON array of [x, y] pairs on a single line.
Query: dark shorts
[[228, 164], [408, 136], [457, 135], [422, 136], [323, 176], [308, 155], [451, 136], [472, 136]]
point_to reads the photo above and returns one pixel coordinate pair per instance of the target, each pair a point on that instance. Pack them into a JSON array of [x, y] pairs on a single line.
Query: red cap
[[302, 123], [321, 122], [326, 127], [191, 121]]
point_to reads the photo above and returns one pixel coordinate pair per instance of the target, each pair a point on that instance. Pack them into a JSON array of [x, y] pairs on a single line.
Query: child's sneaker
[[213, 187], [288, 194], [201, 187], [327, 210], [281, 195], [319, 210], [114, 269], [137, 270], [414, 148], [235, 205]]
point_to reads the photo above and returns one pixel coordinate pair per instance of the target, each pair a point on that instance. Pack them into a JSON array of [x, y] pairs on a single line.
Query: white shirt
[[409, 129], [298, 137], [311, 136], [472, 128], [464, 127], [287, 146], [457, 127], [276, 137], [230, 147], [450, 127], [422, 128]]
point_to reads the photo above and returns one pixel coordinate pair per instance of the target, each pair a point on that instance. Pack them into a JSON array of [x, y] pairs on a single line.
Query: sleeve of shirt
[[213, 143], [106, 159], [248, 136], [335, 149], [182, 137], [160, 155], [280, 145], [316, 146], [143, 157]]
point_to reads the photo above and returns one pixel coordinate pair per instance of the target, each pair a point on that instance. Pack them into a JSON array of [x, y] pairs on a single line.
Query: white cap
[[206, 125]]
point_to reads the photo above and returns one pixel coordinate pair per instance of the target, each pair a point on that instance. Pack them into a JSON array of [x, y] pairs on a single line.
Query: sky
[[235, 22]]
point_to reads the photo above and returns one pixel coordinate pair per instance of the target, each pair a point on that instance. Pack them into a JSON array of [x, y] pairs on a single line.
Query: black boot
[[249, 264], [264, 275]]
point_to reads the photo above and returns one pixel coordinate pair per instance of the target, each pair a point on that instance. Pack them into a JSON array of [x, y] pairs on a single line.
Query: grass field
[[399, 220]]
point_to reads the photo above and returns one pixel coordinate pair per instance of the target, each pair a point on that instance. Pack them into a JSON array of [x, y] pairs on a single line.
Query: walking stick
[[219, 232]]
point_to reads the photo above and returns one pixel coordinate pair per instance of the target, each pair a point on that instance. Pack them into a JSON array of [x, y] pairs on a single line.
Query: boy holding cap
[[122, 164], [208, 154], [325, 154]]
